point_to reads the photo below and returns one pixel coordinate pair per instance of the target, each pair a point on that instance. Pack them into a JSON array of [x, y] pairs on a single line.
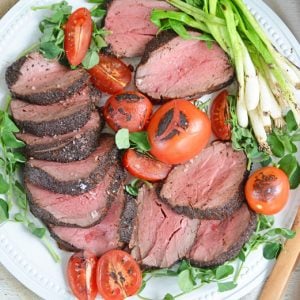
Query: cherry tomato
[[81, 271], [178, 131], [130, 110], [145, 167], [267, 190], [118, 275], [219, 115], [78, 34], [111, 75]]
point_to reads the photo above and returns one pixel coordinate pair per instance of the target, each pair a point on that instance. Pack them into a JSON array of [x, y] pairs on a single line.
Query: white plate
[[25, 257]]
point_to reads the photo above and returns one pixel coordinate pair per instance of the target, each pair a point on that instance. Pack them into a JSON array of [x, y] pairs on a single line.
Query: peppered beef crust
[[39, 177], [127, 219], [234, 250], [160, 40], [48, 97], [48, 218], [75, 148]]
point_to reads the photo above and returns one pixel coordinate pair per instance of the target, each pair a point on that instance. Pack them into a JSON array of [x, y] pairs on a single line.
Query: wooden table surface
[[11, 289]]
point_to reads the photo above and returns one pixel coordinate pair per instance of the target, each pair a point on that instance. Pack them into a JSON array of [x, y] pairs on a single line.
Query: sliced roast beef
[[76, 177], [210, 185], [75, 145], [160, 236], [54, 119], [99, 238], [41, 81], [83, 210], [130, 25], [172, 67], [219, 241]]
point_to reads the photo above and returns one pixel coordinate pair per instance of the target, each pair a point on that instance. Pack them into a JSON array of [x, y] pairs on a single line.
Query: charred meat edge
[[43, 98], [48, 218], [235, 249], [160, 40], [215, 213], [39, 177]]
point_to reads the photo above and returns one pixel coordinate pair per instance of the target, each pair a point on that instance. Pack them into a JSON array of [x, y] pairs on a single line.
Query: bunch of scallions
[[266, 79]]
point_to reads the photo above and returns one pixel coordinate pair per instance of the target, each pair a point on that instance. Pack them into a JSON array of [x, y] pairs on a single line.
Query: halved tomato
[[111, 75], [219, 115], [145, 167], [78, 34], [118, 275], [82, 275], [267, 190], [128, 109], [178, 131]]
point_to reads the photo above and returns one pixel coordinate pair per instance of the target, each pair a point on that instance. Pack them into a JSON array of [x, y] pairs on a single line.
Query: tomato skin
[[178, 131], [130, 109], [118, 275], [78, 34], [219, 115], [267, 190], [111, 75], [81, 265], [145, 167]]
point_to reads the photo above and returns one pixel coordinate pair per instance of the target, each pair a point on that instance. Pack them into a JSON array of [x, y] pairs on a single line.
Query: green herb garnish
[[13, 203]]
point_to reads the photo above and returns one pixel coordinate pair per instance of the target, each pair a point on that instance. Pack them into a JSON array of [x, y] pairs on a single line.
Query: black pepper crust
[[112, 192], [160, 40], [67, 150], [127, 219], [56, 94], [39, 177]]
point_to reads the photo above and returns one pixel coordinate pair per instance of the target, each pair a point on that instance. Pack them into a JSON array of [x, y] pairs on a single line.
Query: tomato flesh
[[81, 272], [145, 167], [111, 75], [78, 34], [178, 131], [118, 275], [129, 109], [219, 115], [267, 190]]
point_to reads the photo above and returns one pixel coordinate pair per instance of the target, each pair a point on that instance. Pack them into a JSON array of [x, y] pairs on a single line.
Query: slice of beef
[[210, 186], [41, 81], [99, 238], [130, 25], [160, 236], [75, 145], [172, 67], [83, 210], [219, 241], [54, 119], [76, 177]]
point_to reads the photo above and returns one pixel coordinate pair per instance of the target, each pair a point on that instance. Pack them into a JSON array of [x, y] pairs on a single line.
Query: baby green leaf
[[185, 281], [224, 271], [8, 124], [37, 231], [50, 50], [168, 297], [290, 121], [11, 141], [271, 250], [226, 286], [276, 145], [3, 211], [91, 59], [19, 217], [122, 139], [140, 140], [4, 186]]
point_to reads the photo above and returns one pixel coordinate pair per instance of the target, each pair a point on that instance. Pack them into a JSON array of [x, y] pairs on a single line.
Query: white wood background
[[11, 289]]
